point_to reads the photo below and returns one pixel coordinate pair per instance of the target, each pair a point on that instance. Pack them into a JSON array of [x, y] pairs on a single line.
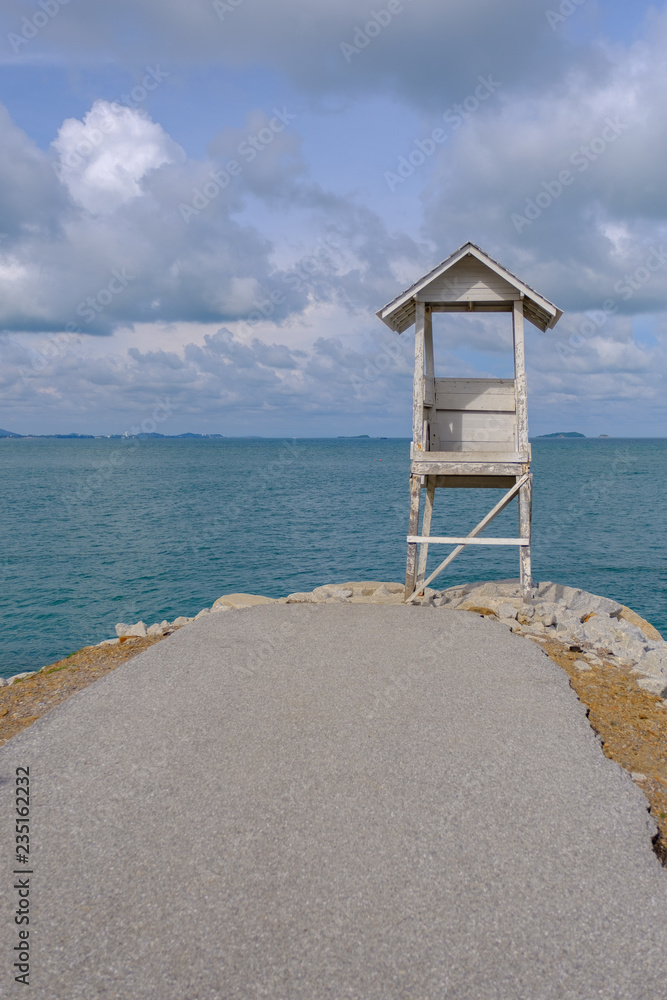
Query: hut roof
[[485, 284]]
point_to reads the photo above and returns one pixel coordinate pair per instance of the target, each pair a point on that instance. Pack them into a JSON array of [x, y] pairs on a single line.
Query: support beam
[[431, 441], [509, 496], [411, 563], [520, 379], [525, 517], [426, 529], [418, 388], [467, 540]]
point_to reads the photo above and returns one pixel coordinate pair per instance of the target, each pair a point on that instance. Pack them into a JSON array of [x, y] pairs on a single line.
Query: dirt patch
[[24, 701], [631, 724]]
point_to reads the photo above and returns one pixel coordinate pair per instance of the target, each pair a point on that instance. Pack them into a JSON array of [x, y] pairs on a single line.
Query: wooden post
[[525, 518], [520, 391], [429, 379], [411, 564], [426, 531], [523, 446], [418, 385]]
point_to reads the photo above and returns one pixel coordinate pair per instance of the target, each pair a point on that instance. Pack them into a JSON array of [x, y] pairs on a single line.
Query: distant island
[[113, 437], [563, 434]]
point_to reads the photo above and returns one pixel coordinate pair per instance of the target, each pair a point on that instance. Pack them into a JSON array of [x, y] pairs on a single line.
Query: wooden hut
[[467, 432]]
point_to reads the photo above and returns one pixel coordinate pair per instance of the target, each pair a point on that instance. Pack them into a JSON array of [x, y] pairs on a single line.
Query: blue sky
[[201, 208]]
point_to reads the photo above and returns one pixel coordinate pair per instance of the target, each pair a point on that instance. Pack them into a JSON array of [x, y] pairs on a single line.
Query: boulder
[[626, 614], [131, 631], [182, 620], [155, 630], [507, 611], [654, 663], [654, 685], [238, 601], [301, 598]]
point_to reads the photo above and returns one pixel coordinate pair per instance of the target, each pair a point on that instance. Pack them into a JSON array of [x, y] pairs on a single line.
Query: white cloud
[[103, 159]]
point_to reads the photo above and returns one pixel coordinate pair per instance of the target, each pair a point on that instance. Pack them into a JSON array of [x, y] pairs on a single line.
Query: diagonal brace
[[500, 506]]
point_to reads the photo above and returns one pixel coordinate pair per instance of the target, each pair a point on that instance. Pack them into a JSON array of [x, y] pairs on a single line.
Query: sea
[[101, 531]]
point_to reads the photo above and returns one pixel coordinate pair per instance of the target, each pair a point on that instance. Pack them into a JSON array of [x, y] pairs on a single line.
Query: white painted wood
[[475, 394], [458, 307], [426, 529], [418, 383], [469, 280], [411, 561], [399, 314], [468, 430], [463, 541], [520, 388], [500, 506], [484, 468], [525, 517]]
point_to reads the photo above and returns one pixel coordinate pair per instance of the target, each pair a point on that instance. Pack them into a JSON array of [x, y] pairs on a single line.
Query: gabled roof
[[399, 314]]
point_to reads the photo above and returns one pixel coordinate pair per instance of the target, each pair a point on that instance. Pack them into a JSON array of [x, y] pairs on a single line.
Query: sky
[[203, 205]]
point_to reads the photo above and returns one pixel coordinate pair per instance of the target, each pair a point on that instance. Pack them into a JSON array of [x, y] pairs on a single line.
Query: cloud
[[103, 159], [116, 225], [564, 185], [420, 50]]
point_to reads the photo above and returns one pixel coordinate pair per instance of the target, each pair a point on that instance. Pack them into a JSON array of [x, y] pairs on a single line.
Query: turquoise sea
[[100, 531]]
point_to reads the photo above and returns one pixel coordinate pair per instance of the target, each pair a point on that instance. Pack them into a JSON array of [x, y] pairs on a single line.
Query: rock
[[507, 611], [20, 677], [654, 663], [202, 613], [626, 614], [389, 588], [131, 631], [155, 630], [182, 620], [338, 595], [511, 623], [109, 642], [301, 598], [581, 665], [637, 776], [238, 601], [654, 685]]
